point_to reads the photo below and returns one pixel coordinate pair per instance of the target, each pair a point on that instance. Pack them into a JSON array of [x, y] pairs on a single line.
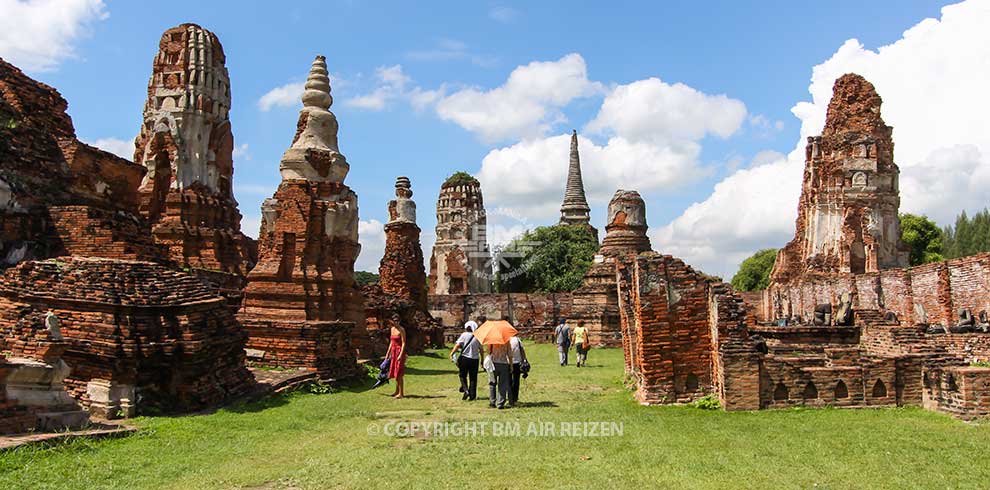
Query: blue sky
[[423, 89]]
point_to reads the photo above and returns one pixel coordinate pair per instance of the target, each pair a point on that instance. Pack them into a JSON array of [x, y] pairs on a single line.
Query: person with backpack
[[562, 337], [468, 360], [519, 360]]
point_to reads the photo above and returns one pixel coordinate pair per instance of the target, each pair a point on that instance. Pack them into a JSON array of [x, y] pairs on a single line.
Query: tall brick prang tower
[[186, 147], [847, 215], [575, 209], [461, 262], [301, 302]]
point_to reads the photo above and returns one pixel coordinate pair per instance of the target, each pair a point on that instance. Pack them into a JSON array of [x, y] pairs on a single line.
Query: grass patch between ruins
[[305, 440]]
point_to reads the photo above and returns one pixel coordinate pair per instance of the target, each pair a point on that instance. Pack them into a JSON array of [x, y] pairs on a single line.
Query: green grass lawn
[[322, 441]]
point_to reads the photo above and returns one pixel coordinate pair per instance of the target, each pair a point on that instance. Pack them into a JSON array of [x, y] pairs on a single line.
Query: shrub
[[708, 402]]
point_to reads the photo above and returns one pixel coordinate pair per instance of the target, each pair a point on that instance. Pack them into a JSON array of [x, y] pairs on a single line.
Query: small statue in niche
[[823, 315], [859, 179], [890, 318], [983, 325], [935, 329], [52, 325], [844, 317], [759, 343], [966, 322], [920, 315]]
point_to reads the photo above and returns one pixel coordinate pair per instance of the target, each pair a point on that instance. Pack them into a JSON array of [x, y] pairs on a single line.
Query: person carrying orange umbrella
[[495, 335]]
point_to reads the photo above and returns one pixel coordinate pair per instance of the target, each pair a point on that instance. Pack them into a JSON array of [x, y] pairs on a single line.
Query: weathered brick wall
[[320, 346], [961, 391], [754, 303], [521, 308], [401, 270], [672, 351], [44, 165], [94, 232], [133, 323], [383, 310], [941, 288]]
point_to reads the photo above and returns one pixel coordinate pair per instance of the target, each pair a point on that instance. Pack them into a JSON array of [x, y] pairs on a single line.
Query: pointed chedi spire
[[575, 209], [316, 132], [317, 92]]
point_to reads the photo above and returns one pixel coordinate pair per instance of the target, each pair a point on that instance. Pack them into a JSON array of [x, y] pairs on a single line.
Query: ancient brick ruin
[[186, 147], [400, 297], [461, 262], [596, 301], [301, 305], [841, 323], [59, 195], [847, 215], [136, 333], [134, 330], [402, 273]]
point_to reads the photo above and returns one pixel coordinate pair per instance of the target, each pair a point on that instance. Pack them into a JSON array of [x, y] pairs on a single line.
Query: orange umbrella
[[495, 332]]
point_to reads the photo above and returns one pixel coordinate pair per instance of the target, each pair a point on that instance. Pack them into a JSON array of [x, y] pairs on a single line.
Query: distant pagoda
[[575, 209]]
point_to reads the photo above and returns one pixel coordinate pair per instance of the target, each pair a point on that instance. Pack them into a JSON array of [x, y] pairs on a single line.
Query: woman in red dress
[[397, 354]]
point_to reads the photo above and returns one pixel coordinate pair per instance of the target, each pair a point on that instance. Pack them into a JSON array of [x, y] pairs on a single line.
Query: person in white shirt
[[518, 354], [467, 362]]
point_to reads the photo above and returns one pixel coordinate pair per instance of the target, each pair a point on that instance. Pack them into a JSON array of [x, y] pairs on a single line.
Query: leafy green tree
[[968, 236], [460, 178], [924, 238], [363, 278], [754, 272], [546, 259]]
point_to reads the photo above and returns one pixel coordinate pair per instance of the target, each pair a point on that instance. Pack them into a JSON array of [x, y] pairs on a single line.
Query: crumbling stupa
[[596, 301], [461, 262], [402, 273], [575, 209], [301, 303], [847, 215], [186, 147]]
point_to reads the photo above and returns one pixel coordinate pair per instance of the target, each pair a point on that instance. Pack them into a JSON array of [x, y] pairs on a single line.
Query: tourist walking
[[582, 343], [502, 374], [518, 353], [468, 360], [562, 337], [397, 358]]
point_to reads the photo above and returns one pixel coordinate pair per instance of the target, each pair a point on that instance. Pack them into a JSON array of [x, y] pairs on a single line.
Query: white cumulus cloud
[[37, 35], [392, 82], [284, 96], [664, 114], [933, 82], [119, 147], [654, 132], [526, 105], [371, 235]]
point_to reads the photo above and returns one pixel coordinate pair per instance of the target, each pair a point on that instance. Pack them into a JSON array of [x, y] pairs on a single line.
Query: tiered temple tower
[[461, 262], [847, 215], [301, 302], [186, 147], [575, 209]]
